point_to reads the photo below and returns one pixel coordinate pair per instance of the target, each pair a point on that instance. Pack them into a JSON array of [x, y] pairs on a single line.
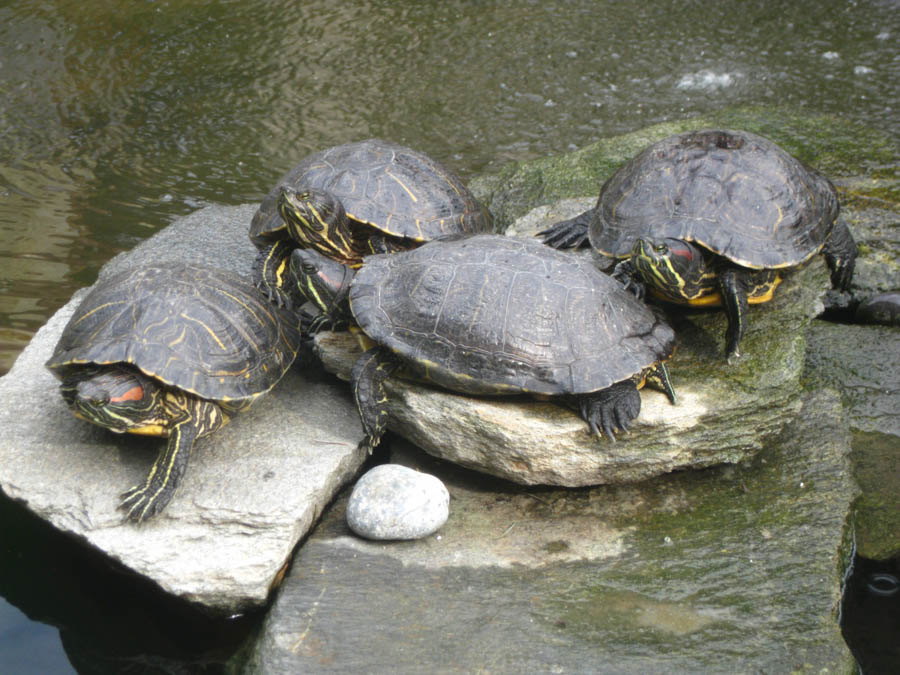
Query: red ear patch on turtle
[[682, 250], [135, 393]]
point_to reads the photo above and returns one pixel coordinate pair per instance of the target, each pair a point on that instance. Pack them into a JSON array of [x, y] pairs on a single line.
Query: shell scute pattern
[[735, 193], [492, 313], [192, 328], [387, 186]]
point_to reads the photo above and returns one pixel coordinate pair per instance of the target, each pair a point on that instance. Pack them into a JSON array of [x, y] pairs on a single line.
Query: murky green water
[[117, 117]]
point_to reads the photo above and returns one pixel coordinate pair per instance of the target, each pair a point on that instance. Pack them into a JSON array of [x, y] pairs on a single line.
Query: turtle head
[[316, 219], [116, 398], [675, 268], [323, 281]]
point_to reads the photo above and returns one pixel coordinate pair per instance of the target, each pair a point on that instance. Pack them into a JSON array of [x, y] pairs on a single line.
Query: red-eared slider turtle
[[711, 217], [489, 315], [170, 350], [355, 199]]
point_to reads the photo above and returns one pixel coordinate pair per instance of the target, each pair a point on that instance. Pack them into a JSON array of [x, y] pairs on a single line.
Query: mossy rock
[[732, 569], [866, 375]]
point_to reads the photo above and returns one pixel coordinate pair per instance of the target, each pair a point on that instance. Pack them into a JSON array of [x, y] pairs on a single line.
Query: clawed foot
[[626, 275], [277, 296], [566, 234], [141, 503], [612, 409], [369, 443]]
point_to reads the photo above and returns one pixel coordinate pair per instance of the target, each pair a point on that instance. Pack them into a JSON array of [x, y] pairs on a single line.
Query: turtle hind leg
[[840, 253], [145, 501], [733, 288], [367, 379], [571, 233], [270, 271], [612, 409]]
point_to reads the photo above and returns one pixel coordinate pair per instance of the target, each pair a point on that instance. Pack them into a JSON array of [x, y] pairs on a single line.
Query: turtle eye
[[661, 249], [308, 268]]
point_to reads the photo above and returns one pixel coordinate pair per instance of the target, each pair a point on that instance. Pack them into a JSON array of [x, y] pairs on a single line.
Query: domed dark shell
[[389, 187], [201, 330], [488, 314], [735, 193]]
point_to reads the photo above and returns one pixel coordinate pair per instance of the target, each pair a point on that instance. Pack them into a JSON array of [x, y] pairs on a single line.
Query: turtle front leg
[[367, 379], [145, 501], [611, 409], [628, 275], [571, 233], [840, 253], [733, 288], [270, 272]]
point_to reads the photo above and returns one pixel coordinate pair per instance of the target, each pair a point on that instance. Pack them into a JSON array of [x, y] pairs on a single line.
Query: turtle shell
[[737, 194], [494, 314], [389, 187], [200, 330]]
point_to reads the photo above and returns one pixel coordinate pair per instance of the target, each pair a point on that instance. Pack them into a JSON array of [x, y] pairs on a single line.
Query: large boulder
[[252, 489], [734, 569]]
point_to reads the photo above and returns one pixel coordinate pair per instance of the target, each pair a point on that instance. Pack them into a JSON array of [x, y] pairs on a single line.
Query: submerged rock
[[395, 502], [883, 308], [252, 489]]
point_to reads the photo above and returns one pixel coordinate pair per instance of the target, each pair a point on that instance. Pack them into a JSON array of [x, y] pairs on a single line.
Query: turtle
[[494, 315], [713, 217], [170, 350], [351, 200]]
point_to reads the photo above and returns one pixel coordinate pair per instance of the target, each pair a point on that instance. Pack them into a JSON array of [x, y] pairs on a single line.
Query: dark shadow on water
[[109, 621], [870, 615]]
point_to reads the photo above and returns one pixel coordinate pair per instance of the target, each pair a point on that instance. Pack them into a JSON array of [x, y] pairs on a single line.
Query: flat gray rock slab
[[252, 489], [732, 569]]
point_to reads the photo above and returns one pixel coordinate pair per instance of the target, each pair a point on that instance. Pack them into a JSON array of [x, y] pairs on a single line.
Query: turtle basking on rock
[[170, 350], [356, 199], [494, 315], [713, 218]]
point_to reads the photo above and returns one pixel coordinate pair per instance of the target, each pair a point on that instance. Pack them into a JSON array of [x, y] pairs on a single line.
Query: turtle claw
[[564, 235], [280, 298], [612, 409], [368, 444], [626, 274], [140, 506]]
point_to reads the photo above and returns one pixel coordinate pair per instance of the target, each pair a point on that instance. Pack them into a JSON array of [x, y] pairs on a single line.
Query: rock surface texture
[[731, 569], [252, 489]]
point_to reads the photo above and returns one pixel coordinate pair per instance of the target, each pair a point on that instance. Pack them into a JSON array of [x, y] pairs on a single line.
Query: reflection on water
[[89, 613], [117, 117]]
